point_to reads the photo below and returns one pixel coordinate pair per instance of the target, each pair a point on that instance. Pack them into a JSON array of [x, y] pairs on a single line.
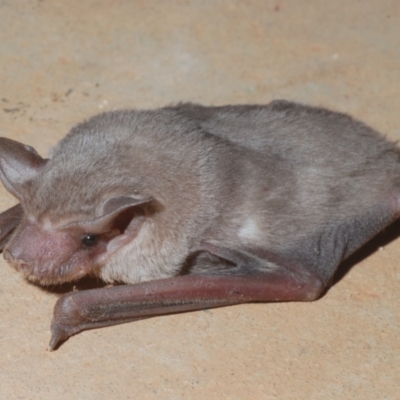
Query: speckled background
[[61, 62]]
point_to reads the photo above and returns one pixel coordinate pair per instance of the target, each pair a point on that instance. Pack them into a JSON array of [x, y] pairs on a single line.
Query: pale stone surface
[[61, 62]]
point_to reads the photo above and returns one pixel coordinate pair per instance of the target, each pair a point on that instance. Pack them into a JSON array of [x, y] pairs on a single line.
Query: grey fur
[[306, 183], [196, 207]]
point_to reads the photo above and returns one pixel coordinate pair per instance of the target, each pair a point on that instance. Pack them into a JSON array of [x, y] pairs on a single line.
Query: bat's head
[[66, 233]]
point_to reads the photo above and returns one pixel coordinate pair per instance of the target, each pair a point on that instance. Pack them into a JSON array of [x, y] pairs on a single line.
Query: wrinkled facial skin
[[53, 256]]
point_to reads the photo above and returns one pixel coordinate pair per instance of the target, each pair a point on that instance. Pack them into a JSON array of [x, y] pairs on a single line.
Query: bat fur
[[245, 202]]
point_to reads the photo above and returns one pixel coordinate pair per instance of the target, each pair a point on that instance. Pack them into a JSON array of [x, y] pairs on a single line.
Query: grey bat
[[193, 207]]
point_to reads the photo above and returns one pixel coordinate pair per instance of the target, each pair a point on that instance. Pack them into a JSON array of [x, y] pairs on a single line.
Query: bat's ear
[[121, 203], [19, 164], [120, 210]]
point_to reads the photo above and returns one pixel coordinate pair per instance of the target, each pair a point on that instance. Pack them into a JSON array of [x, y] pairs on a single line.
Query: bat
[[189, 207]]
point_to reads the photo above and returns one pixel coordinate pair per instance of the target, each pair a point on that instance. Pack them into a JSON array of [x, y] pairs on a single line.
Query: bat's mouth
[[46, 275], [55, 278]]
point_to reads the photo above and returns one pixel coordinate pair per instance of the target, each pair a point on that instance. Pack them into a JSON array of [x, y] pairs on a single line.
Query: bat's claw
[[64, 310], [58, 335]]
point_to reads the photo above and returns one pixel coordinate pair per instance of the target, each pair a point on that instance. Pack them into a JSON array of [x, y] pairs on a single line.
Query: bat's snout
[[20, 264], [44, 256]]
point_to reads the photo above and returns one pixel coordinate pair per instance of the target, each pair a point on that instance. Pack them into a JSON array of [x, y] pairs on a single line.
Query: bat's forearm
[[90, 309], [97, 308]]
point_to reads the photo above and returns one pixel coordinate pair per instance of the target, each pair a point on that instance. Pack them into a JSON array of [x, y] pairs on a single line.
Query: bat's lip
[[47, 276]]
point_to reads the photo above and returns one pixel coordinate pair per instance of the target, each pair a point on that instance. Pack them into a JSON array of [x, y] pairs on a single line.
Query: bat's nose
[[15, 259]]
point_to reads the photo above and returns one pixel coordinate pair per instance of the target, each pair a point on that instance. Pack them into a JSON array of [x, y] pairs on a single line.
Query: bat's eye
[[89, 240]]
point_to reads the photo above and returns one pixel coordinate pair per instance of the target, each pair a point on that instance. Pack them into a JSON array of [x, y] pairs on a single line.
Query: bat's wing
[[9, 220], [246, 275], [253, 276]]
